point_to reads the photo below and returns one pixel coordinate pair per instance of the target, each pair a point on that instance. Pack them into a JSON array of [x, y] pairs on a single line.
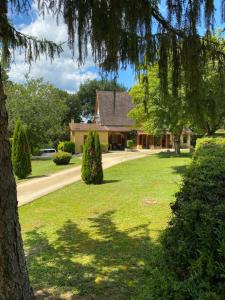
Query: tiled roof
[[114, 108], [86, 127], [97, 127]]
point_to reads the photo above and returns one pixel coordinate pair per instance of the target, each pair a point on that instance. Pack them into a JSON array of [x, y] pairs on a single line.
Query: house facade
[[115, 128]]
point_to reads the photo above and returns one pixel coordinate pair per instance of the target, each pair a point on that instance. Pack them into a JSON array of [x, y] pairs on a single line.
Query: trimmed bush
[[104, 147], [192, 263], [21, 153], [92, 160], [88, 149], [14, 140], [130, 144], [67, 146], [97, 172], [62, 158]]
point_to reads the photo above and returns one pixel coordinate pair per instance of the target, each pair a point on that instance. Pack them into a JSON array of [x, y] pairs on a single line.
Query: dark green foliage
[[67, 146], [130, 144], [192, 263], [97, 172], [21, 153], [92, 160], [61, 158], [86, 171], [14, 139]]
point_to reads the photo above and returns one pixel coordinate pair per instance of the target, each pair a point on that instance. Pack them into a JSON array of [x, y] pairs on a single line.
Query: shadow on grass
[[111, 265], [179, 169], [173, 154], [110, 181]]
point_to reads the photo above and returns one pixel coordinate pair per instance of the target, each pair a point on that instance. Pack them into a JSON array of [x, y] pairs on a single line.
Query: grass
[[45, 167], [96, 242]]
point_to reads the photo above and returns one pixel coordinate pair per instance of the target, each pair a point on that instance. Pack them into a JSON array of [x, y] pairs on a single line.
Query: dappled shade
[[114, 264]]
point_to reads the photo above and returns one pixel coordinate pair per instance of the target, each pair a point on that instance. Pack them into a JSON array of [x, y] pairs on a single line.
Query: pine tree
[[22, 160], [15, 139], [86, 171], [97, 172]]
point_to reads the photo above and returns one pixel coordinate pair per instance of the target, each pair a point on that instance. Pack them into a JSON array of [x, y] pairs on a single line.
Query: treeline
[[46, 110]]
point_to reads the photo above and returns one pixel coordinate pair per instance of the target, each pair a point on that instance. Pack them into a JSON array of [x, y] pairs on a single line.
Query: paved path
[[35, 188]]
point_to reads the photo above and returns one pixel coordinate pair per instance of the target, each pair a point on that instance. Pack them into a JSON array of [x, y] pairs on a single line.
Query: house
[[115, 128]]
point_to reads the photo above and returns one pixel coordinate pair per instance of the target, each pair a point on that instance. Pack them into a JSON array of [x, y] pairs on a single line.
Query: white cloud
[[62, 72]]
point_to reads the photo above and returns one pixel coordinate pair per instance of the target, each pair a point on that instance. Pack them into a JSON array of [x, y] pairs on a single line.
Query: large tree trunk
[[177, 143], [14, 281]]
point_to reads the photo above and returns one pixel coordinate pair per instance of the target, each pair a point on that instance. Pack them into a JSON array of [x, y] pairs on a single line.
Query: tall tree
[[14, 283], [41, 107], [87, 94], [119, 32], [155, 113]]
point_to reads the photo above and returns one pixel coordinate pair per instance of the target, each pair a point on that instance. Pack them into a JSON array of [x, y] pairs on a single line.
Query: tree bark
[[177, 143], [14, 281]]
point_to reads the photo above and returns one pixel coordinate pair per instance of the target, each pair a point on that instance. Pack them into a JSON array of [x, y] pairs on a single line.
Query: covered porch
[[145, 141]]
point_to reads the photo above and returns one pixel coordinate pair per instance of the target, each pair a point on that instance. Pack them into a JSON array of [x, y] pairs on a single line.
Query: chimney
[[72, 121]]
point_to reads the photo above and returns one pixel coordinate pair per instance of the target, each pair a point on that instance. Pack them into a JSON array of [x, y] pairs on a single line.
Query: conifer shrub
[[97, 172], [192, 262], [88, 148], [62, 158], [91, 171], [67, 146], [21, 153], [14, 140]]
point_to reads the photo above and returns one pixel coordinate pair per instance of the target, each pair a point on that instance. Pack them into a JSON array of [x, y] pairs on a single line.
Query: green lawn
[[45, 167], [96, 242]]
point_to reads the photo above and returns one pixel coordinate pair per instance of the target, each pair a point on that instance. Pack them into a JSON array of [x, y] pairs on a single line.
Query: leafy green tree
[[22, 155], [87, 159], [41, 107], [97, 172], [155, 113], [87, 94]]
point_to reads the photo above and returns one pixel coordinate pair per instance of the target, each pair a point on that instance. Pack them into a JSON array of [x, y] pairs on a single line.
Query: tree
[[92, 160], [87, 94], [97, 172], [41, 107], [21, 152], [15, 139], [88, 148], [155, 113], [119, 33]]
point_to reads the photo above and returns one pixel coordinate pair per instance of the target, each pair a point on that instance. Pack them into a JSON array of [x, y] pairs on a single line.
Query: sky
[[62, 72]]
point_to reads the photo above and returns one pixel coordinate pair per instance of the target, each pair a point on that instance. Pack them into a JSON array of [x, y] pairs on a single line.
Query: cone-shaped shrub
[[92, 160], [88, 149], [21, 155], [14, 140], [97, 173]]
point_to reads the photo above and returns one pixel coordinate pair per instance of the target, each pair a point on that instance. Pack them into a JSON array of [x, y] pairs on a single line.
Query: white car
[[47, 152]]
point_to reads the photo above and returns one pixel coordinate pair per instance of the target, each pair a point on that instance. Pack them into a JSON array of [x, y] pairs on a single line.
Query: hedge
[[192, 262], [67, 146]]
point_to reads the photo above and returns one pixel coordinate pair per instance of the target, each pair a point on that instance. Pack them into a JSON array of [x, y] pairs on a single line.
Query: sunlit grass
[[96, 242]]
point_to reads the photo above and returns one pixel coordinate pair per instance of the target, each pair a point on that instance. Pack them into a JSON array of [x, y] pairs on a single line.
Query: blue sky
[[63, 72]]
